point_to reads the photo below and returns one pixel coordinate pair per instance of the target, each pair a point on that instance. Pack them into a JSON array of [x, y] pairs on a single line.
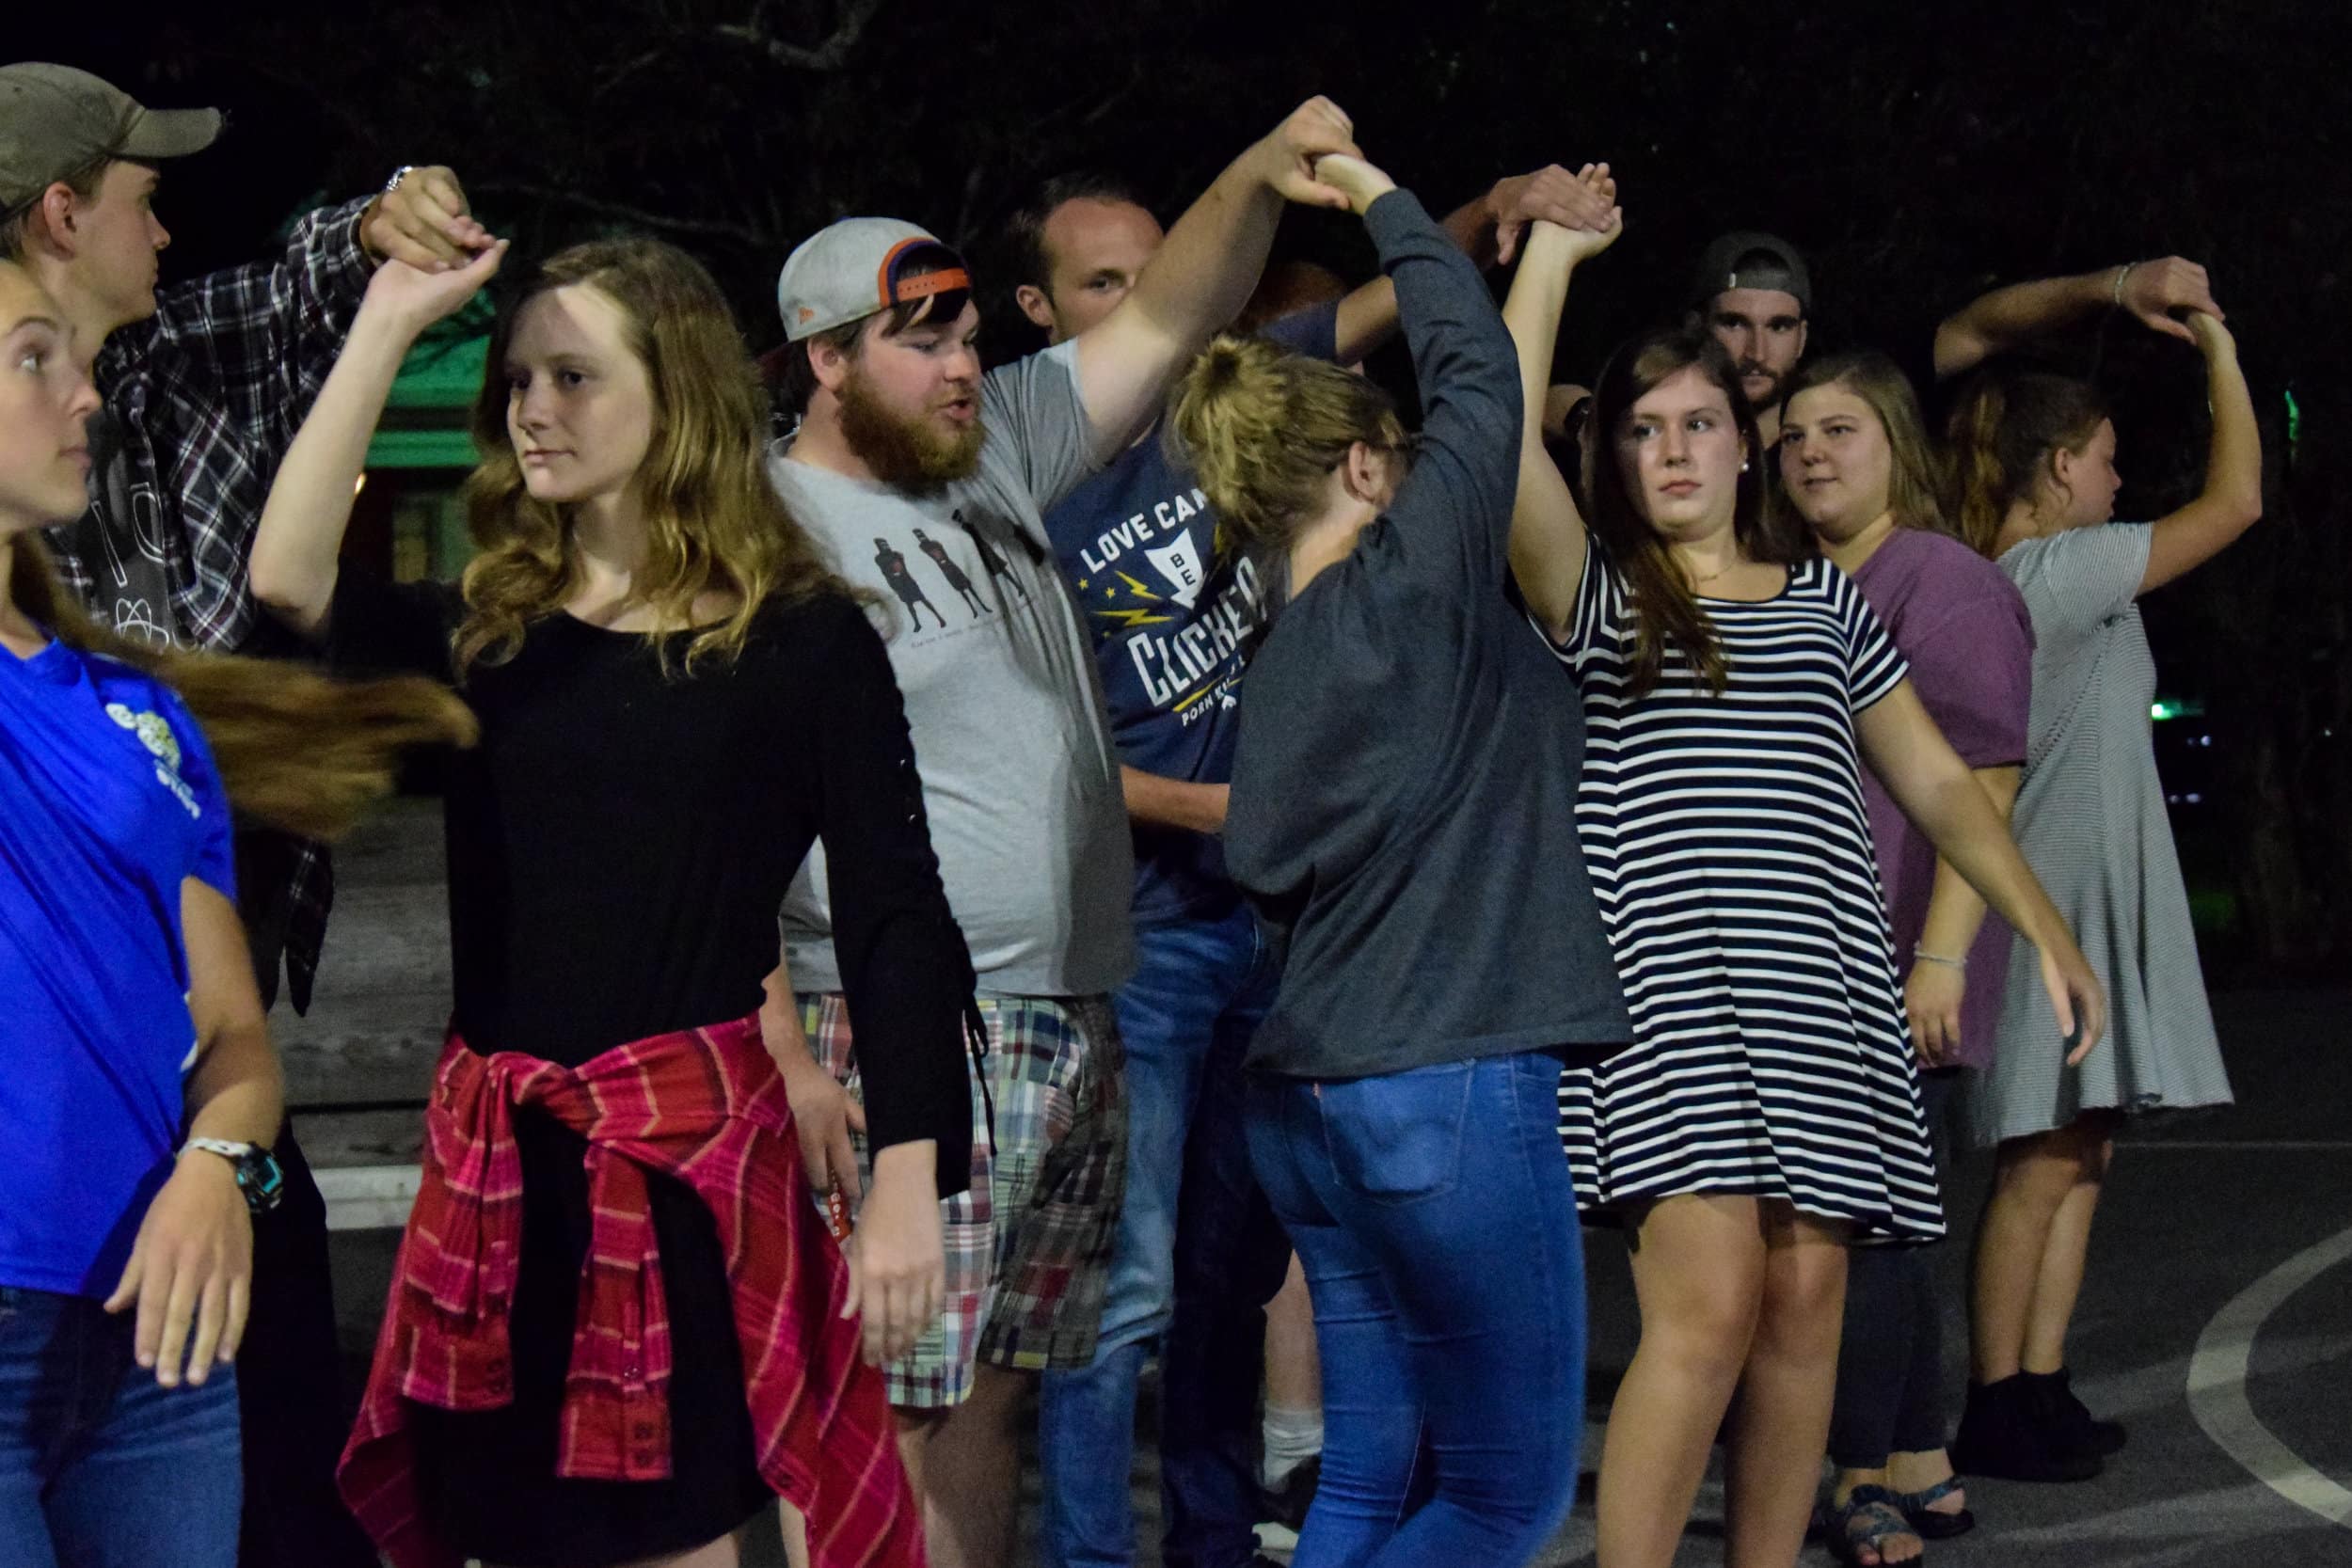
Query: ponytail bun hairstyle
[[2000, 438], [1264, 428]]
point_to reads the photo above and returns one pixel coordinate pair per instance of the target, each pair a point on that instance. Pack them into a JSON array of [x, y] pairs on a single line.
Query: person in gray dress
[[2034, 458]]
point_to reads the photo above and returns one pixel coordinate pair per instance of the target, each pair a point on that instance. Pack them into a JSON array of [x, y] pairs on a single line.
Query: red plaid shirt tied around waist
[[707, 1107]]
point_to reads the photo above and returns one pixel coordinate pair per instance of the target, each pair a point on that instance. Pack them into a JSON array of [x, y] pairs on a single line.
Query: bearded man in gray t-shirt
[[902, 440]]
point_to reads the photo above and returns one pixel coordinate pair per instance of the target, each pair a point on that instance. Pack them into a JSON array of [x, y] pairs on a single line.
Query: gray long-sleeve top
[[1404, 783]]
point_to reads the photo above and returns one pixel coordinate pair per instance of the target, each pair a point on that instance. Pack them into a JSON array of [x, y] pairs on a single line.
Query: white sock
[[1292, 1438]]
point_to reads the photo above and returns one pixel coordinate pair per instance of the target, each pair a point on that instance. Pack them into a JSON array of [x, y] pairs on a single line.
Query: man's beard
[[905, 453], [1772, 393]]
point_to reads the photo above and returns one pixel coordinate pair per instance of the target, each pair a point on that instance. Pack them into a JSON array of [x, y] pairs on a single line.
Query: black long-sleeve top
[[620, 840], [1405, 782]]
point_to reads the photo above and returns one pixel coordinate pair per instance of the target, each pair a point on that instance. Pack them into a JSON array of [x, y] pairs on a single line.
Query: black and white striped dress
[[1730, 855]]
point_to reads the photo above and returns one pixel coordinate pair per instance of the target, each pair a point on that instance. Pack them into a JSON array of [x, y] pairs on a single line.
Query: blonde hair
[[296, 750], [1264, 428], [1999, 440], [713, 520]]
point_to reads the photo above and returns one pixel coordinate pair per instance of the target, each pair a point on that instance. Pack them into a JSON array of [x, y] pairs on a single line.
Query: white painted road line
[[368, 1198], [2233, 1146], [2217, 1383]]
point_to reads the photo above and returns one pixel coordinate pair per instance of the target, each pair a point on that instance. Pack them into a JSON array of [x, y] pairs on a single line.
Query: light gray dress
[[2091, 822]]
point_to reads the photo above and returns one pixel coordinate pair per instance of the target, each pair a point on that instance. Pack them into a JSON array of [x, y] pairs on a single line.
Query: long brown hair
[[1999, 440], [1666, 610], [296, 749], [714, 523], [1265, 427], [1913, 489]]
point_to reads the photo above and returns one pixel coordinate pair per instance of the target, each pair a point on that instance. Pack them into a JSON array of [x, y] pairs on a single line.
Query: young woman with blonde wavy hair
[[141, 1089], [676, 698]]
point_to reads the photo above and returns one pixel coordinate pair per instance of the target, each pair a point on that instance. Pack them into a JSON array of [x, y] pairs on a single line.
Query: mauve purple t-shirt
[[1962, 626]]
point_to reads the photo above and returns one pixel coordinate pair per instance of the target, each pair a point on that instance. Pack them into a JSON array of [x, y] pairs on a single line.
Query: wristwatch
[[258, 1176]]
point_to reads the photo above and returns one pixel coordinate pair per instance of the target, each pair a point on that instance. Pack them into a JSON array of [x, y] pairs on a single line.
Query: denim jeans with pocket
[[101, 1466], [1433, 1214], [1198, 1257]]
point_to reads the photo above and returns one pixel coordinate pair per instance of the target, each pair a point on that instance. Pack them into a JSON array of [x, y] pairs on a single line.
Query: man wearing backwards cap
[[206, 383], [900, 430], [1755, 293]]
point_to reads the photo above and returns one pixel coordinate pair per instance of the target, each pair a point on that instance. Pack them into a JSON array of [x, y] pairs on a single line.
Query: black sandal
[[1931, 1523], [1868, 1517]]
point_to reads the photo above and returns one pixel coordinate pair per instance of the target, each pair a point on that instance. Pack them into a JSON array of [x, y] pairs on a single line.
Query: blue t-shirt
[[1174, 619], [108, 800]]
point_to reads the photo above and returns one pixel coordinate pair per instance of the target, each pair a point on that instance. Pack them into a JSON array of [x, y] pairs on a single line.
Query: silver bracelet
[[403, 172], [2115, 297], [1925, 956]]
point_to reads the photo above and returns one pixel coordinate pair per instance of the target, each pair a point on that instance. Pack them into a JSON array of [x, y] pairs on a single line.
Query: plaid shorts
[[1029, 1246]]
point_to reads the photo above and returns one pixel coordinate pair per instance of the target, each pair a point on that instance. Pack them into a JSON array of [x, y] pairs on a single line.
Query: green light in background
[[2294, 417], [2172, 708]]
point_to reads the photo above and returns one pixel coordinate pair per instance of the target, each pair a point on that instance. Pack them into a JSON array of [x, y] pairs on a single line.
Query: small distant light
[[359, 484], [2156, 712], [2194, 798]]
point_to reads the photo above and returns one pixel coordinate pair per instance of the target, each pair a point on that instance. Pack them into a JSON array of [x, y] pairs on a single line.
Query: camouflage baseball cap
[[55, 120]]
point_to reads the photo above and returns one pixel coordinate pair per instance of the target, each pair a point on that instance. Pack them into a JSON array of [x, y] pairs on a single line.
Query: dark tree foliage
[[1918, 153]]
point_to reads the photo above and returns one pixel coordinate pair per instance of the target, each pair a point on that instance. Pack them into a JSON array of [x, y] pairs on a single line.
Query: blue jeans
[[1198, 1257], [1433, 1214], [101, 1466]]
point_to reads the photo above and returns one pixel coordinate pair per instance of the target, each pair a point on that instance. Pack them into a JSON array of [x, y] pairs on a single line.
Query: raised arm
[[1547, 532], [1488, 231], [297, 543], [1937, 791], [2232, 499], [1202, 273], [2010, 317], [1451, 517]]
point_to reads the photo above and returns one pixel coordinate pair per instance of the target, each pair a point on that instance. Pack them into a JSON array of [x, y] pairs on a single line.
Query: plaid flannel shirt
[[208, 393], [707, 1107]]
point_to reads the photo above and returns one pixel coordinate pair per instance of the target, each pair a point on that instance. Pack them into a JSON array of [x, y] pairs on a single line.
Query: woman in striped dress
[[1768, 1112], [2035, 461]]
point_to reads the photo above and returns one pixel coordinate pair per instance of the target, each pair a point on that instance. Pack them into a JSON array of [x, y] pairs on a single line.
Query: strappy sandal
[[1870, 1515], [1930, 1523]]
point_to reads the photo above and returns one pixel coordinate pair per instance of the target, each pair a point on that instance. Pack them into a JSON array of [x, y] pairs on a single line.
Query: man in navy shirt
[[1175, 613]]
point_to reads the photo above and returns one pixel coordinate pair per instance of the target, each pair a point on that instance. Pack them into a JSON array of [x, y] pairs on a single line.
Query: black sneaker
[[1286, 1505], [2077, 1427], [2006, 1431]]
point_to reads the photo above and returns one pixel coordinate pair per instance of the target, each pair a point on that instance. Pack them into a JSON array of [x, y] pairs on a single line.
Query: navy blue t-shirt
[[1174, 620], [108, 801]]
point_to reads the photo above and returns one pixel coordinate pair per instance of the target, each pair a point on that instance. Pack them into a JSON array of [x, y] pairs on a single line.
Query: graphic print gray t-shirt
[[116, 537], [1001, 693]]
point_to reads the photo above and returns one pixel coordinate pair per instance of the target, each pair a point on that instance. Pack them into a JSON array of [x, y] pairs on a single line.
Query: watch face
[[260, 1179]]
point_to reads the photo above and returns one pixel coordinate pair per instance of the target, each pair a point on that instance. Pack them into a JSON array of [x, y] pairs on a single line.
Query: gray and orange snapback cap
[[849, 270], [55, 120]]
